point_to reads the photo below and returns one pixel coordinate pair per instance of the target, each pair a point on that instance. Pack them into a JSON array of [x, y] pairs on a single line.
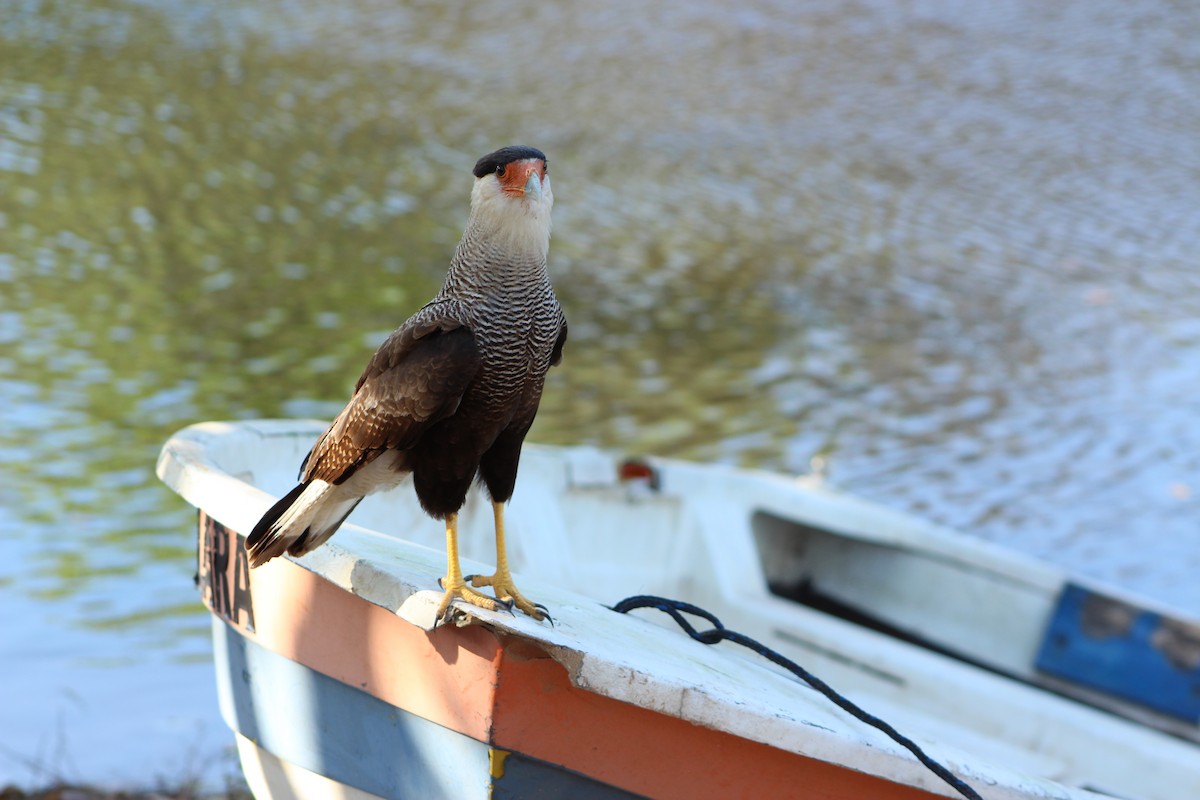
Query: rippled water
[[948, 252]]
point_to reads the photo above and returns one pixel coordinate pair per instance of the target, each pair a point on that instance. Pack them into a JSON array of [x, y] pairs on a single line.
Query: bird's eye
[[500, 170]]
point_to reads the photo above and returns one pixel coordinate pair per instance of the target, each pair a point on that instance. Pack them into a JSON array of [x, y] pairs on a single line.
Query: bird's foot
[[459, 590], [507, 592]]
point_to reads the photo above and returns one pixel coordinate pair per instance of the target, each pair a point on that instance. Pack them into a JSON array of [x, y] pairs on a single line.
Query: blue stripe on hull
[[345, 734], [341, 732], [528, 778]]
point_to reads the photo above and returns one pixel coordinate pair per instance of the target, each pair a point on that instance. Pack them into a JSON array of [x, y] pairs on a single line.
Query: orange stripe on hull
[[538, 711]]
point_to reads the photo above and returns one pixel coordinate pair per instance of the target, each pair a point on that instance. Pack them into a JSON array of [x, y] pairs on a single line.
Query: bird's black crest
[[505, 155]]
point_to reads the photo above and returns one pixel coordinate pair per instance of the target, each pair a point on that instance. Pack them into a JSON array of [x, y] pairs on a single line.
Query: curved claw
[[506, 591]]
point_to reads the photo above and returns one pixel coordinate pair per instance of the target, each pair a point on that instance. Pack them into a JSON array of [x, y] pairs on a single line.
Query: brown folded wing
[[416, 378]]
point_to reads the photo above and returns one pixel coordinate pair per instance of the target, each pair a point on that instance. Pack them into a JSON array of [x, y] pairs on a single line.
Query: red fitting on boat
[[633, 469]]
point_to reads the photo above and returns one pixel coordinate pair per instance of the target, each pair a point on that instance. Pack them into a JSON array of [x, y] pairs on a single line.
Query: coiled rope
[[677, 608]]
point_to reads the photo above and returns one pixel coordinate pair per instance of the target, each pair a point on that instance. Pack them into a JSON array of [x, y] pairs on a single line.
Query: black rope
[[677, 608]]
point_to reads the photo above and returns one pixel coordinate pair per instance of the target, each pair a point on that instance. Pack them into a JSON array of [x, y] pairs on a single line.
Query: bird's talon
[[507, 594], [535, 610], [457, 589]]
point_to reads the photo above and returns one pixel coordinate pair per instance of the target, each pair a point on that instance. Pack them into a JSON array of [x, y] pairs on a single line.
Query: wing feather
[[416, 378]]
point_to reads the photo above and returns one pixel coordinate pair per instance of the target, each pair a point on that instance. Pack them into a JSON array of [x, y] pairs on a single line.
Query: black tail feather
[[264, 543]]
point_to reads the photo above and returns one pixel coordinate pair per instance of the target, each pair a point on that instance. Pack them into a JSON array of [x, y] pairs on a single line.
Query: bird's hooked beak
[[524, 178]]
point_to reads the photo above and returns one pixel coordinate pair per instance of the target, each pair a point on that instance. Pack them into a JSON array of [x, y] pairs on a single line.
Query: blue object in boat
[[1124, 651]]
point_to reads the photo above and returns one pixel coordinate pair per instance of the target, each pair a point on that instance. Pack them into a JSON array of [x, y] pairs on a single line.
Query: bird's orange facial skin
[[516, 175]]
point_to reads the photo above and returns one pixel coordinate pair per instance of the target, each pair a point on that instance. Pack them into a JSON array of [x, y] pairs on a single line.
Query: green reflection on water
[[210, 225], [191, 229]]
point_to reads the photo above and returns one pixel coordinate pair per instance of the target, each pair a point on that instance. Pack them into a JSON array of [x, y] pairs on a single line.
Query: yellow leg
[[502, 582], [453, 583]]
